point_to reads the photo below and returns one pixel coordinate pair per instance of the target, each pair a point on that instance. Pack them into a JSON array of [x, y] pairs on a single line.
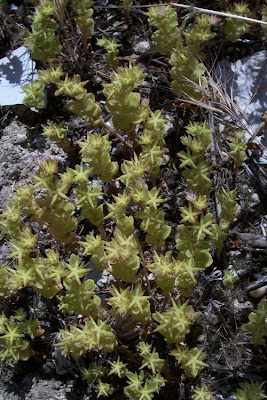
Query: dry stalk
[[60, 9], [197, 9], [64, 19], [220, 13], [215, 98], [116, 134]]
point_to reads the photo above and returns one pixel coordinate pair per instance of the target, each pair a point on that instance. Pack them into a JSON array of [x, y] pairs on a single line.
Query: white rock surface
[[16, 70], [246, 81], [19, 160]]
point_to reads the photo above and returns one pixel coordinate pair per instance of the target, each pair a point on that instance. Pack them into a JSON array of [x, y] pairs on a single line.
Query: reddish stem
[[116, 134]]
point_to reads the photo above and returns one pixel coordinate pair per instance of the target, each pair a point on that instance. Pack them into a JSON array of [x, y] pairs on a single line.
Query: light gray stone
[[141, 47], [246, 82], [18, 162]]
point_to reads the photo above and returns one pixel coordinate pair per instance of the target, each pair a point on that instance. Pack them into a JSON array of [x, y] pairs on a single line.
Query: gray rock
[[16, 70], [141, 47], [246, 81], [48, 390], [254, 200], [21, 138], [8, 396], [239, 307], [18, 162], [169, 127]]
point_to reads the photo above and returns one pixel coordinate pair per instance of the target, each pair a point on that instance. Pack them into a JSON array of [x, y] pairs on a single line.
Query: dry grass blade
[[220, 13], [197, 9], [216, 99], [63, 18], [61, 7]]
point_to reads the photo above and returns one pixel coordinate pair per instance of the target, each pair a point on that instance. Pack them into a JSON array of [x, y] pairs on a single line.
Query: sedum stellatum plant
[[109, 211]]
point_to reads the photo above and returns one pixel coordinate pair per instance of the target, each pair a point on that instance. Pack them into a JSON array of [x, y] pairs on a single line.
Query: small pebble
[[165, 159], [20, 138], [141, 47], [254, 200], [212, 318], [258, 293], [221, 129], [239, 306]]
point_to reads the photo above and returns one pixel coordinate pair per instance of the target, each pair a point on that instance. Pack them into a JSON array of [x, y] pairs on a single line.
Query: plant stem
[[116, 134], [85, 46], [141, 254], [165, 301]]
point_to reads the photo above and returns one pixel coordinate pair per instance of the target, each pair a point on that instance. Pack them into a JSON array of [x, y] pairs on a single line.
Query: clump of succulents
[[61, 225]]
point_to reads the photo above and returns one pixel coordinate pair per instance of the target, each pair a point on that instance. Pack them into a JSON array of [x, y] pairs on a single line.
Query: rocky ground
[[232, 357]]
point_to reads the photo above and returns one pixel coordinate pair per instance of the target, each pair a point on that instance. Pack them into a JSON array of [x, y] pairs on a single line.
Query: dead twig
[[116, 134], [258, 284], [253, 239], [220, 13], [192, 8]]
